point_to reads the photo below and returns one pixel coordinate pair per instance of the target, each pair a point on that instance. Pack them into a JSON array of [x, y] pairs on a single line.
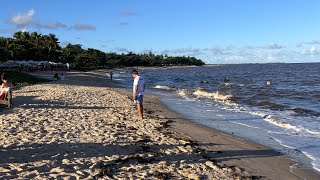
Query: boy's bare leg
[[140, 111]]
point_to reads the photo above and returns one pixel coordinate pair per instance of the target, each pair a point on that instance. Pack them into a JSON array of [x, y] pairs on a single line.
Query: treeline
[[35, 46]]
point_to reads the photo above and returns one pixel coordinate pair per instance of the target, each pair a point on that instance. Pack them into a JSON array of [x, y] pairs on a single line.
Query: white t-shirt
[[139, 80]]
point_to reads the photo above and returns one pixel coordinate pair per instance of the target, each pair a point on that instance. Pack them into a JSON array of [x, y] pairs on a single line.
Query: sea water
[[283, 113]]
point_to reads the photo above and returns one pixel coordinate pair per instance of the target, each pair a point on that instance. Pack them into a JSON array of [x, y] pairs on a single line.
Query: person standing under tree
[[138, 92]]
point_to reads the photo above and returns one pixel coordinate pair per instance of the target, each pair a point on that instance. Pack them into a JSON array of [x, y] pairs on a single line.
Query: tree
[[52, 45], [35, 46]]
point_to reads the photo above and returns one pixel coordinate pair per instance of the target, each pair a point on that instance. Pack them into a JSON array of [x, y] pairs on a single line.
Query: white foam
[[182, 92], [315, 162], [274, 120], [242, 124], [164, 87], [215, 95], [290, 132], [284, 145]]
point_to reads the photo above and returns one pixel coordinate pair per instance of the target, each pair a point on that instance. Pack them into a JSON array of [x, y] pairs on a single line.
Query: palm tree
[[17, 35], [37, 43], [51, 43]]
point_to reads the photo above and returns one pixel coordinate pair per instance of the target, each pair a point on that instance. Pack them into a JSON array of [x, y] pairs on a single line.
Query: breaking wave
[[212, 95], [274, 120], [182, 92], [164, 87]]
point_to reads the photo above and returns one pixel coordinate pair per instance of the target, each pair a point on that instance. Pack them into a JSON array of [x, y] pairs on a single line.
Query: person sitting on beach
[[56, 76], [138, 92], [6, 84], [62, 77]]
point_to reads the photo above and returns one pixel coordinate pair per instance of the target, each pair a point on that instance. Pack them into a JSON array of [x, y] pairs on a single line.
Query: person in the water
[[268, 82]]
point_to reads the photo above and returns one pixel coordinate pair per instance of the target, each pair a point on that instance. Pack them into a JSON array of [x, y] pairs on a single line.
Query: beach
[[86, 127]]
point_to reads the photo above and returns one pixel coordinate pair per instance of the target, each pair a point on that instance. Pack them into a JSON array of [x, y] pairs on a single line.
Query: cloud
[[274, 46], [181, 51], [64, 43], [311, 51], [24, 29], [23, 19], [273, 52], [56, 25], [124, 24], [269, 46], [119, 49], [313, 42], [234, 58], [253, 54], [82, 27], [128, 13], [221, 51], [26, 20], [217, 51], [146, 51]]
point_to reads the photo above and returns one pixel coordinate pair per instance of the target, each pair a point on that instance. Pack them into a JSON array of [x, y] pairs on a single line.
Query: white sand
[[73, 132]]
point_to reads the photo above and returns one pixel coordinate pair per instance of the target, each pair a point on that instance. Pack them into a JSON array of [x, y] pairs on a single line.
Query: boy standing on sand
[[138, 91]]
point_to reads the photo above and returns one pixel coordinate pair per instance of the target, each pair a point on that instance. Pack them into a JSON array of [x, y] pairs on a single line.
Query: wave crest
[[274, 120], [200, 92], [164, 87], [182, 92]]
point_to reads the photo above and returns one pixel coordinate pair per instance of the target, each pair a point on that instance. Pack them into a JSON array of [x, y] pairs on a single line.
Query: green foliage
[[22, 79], [34, 46]]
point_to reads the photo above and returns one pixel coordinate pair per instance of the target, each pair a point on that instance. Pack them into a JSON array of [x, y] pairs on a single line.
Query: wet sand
[[86, 127]]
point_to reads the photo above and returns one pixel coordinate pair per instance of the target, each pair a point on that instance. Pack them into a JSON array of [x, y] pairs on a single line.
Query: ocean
[[236, 99]]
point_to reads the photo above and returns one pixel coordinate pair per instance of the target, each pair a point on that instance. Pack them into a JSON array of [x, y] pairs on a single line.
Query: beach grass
[[20, 79]]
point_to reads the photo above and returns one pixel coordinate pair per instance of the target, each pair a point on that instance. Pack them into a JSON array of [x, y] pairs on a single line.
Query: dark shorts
[[139, 99]]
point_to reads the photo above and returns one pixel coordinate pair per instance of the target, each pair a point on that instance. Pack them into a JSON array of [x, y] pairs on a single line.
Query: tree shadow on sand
[[128, 154], [31, 102]]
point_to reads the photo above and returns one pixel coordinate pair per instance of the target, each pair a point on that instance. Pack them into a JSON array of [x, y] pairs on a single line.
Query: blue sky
[[216, 31]]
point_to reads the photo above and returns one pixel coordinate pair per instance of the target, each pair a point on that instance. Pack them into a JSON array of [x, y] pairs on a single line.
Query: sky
[[216, 31]]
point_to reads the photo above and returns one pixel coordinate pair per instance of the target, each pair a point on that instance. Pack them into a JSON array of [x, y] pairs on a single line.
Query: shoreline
[[286, 168], [243, 158], [229, 150]]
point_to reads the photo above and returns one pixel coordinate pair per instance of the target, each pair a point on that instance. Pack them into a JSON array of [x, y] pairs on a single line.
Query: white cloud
[[313, 42], [24, 29], [64, 43], [311, 51], [181, 51], [146, 51], [234, 58], [274, 46], [23, 19], [217, 51], [119, 49], [27, 20]]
